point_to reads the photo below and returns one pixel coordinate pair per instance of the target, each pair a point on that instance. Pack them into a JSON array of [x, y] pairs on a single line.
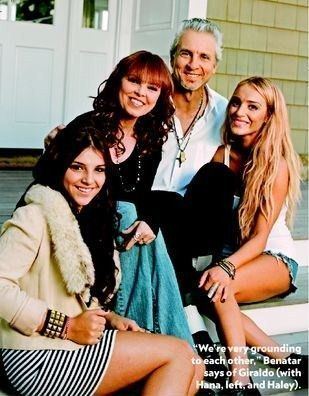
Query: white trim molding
[[197, 9]]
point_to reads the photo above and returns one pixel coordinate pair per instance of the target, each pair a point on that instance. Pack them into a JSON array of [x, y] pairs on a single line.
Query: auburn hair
[[150, 129]]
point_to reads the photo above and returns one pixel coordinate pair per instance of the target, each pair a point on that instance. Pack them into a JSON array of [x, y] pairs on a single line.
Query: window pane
[[4, 10], [95, 14], [37, 11]]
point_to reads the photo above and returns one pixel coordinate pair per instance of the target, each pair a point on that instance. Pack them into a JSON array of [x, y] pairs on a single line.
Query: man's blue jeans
[[149, 292]]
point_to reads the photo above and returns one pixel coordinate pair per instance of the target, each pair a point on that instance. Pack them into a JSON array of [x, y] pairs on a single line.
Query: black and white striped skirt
[[59, 372]]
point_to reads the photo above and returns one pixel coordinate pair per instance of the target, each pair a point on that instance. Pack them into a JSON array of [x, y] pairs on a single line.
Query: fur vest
[[70, 251]]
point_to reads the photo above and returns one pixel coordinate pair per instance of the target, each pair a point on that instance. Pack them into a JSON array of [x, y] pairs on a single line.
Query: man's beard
[[181, 86]]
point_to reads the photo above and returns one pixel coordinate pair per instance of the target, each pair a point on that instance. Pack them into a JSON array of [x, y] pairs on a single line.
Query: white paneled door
[[32, 71], [52, 63], [155, 23], [49, 70], [91, 54]]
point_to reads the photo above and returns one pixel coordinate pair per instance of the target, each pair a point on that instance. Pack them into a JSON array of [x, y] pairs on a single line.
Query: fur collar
[[70, 251]]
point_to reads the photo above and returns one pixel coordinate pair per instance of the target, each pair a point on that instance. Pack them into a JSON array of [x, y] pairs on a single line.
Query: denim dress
[[149, 292]]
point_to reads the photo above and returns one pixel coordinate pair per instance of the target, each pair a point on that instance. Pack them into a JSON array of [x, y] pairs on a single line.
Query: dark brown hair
[[98, 221]]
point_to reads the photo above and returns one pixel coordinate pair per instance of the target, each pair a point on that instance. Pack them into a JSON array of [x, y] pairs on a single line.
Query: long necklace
[[182, 143], [125, 185]]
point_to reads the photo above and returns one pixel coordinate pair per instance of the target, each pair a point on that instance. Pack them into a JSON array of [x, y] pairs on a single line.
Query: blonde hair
[[272, 143]]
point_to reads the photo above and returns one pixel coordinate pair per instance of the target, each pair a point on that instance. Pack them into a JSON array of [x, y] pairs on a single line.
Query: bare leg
[[258, 280], [276, 282], [232, 331], [256, 337], [164, 362]]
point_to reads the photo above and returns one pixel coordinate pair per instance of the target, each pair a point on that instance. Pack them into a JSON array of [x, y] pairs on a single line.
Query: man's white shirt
[[204, 141]]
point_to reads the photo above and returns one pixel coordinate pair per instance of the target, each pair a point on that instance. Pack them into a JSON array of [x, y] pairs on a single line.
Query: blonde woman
[[258, 151]]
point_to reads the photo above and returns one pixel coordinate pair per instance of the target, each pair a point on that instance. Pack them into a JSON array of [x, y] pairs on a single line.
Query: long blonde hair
[[272, 143]]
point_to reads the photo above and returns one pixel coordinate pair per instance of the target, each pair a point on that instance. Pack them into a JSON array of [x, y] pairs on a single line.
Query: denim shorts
[[292, 267]]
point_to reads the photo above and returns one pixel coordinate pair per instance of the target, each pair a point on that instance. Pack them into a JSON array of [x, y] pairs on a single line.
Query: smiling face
[[137, 97], [247, 113], [195, 60], [85, 177]]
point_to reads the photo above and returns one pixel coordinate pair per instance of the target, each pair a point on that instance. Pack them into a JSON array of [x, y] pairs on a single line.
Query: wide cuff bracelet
[[54, 324]]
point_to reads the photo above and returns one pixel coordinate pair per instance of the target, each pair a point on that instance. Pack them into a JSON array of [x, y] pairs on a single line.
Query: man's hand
[[52, 134]]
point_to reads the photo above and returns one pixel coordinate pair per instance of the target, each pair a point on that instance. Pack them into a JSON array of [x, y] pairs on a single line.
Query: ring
[[213, 290], [136, 236], [100, 336]]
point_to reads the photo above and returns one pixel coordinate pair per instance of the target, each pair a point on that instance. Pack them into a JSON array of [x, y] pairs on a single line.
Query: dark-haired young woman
[[58, 335]]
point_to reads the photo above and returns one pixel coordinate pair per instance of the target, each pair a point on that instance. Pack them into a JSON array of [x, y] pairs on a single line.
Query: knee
[[220, 306], [199, 368], [182, 349], [179, 350], [189, 361], [237, 293]]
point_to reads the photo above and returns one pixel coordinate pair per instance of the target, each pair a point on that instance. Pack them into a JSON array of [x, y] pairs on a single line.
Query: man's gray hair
[[198, 25]]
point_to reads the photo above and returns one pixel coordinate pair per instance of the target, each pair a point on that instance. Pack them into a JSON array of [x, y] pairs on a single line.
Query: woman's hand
[[87, 328], [141, 234], [121, 323], [216, 282]]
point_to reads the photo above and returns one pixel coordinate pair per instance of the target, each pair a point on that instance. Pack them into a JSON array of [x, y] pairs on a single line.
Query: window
[[4, 8], [95, 14], [37, 11]]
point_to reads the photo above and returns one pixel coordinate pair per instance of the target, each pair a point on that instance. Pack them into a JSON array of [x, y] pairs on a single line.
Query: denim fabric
[[149, 291], [292, 267]]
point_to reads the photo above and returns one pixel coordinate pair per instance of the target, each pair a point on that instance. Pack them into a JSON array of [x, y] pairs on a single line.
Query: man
[[195, 54], [200, 111]]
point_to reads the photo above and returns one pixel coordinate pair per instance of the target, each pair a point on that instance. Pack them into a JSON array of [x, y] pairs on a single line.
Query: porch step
[[278, 315]]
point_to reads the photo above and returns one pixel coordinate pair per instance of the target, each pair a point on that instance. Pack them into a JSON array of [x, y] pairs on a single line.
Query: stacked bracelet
[[55, 324], [228, 267]]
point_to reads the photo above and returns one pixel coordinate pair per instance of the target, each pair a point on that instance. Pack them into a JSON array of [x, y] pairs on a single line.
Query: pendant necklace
[[182, 143], [125, 185]]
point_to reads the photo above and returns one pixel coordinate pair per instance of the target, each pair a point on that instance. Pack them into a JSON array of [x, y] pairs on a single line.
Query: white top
[[204, 141], [279, 239]]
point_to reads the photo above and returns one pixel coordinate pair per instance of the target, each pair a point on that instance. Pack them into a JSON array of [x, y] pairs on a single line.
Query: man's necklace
[[182, 143]]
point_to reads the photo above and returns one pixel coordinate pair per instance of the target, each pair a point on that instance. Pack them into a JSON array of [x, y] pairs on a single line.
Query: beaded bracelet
[[228, 267], [54, 325]]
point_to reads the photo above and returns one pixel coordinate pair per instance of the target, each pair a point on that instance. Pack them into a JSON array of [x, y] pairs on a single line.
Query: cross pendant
[[181, 157]]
